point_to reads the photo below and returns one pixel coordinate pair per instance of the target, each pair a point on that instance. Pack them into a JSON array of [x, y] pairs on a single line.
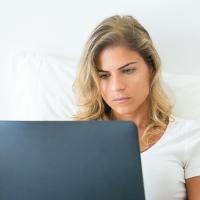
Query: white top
[[174, 158]]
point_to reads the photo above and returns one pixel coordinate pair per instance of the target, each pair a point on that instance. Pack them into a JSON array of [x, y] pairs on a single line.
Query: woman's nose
[[117, 84]]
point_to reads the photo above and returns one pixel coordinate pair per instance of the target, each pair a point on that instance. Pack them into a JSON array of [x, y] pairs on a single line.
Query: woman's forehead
[[113, 58], [132, 63]]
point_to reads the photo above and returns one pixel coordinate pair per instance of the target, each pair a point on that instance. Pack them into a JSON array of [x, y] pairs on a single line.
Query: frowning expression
[[124, 80]]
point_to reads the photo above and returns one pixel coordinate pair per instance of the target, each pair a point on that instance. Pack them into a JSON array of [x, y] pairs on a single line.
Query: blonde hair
[[119, 31]]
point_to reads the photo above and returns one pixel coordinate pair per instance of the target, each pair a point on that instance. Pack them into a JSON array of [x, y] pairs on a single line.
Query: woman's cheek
[[103, 90]]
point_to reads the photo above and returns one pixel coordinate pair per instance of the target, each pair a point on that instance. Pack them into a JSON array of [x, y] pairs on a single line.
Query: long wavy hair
[[120, 31]]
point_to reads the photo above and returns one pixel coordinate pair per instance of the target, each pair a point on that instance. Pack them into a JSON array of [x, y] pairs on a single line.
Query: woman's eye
[[103, 76], [128, 71]]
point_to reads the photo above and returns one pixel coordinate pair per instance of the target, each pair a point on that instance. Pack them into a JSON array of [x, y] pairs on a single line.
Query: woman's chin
[[123, 112]]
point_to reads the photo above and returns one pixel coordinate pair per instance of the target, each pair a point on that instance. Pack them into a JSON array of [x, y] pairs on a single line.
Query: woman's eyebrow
[[123, 66]]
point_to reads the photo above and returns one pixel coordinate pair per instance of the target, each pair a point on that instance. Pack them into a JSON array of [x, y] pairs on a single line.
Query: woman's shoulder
[[189, 139]]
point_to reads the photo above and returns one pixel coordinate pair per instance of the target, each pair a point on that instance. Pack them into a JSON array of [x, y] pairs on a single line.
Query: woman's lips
[[122, 99]]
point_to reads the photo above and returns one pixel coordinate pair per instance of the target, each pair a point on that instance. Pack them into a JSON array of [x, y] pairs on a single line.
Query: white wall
[[60, 27]]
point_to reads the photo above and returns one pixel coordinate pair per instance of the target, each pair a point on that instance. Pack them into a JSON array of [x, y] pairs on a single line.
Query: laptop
[[70, 160]]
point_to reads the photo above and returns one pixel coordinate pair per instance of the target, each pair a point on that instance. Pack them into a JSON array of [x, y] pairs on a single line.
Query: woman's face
[[124, 81]]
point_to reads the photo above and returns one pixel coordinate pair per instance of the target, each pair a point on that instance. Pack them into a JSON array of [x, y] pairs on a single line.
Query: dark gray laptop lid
[[70, 160]]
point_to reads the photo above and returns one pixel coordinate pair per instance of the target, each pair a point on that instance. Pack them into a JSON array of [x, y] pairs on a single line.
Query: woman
[[119, 79]]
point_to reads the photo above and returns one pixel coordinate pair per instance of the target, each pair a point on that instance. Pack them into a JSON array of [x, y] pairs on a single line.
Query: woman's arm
[[193, 188]]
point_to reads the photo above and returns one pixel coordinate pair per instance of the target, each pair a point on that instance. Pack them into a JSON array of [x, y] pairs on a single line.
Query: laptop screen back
[[70, 160]]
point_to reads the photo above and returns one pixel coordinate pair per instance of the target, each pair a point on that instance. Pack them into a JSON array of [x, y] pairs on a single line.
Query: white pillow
[[185, 91], [43, 89]]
